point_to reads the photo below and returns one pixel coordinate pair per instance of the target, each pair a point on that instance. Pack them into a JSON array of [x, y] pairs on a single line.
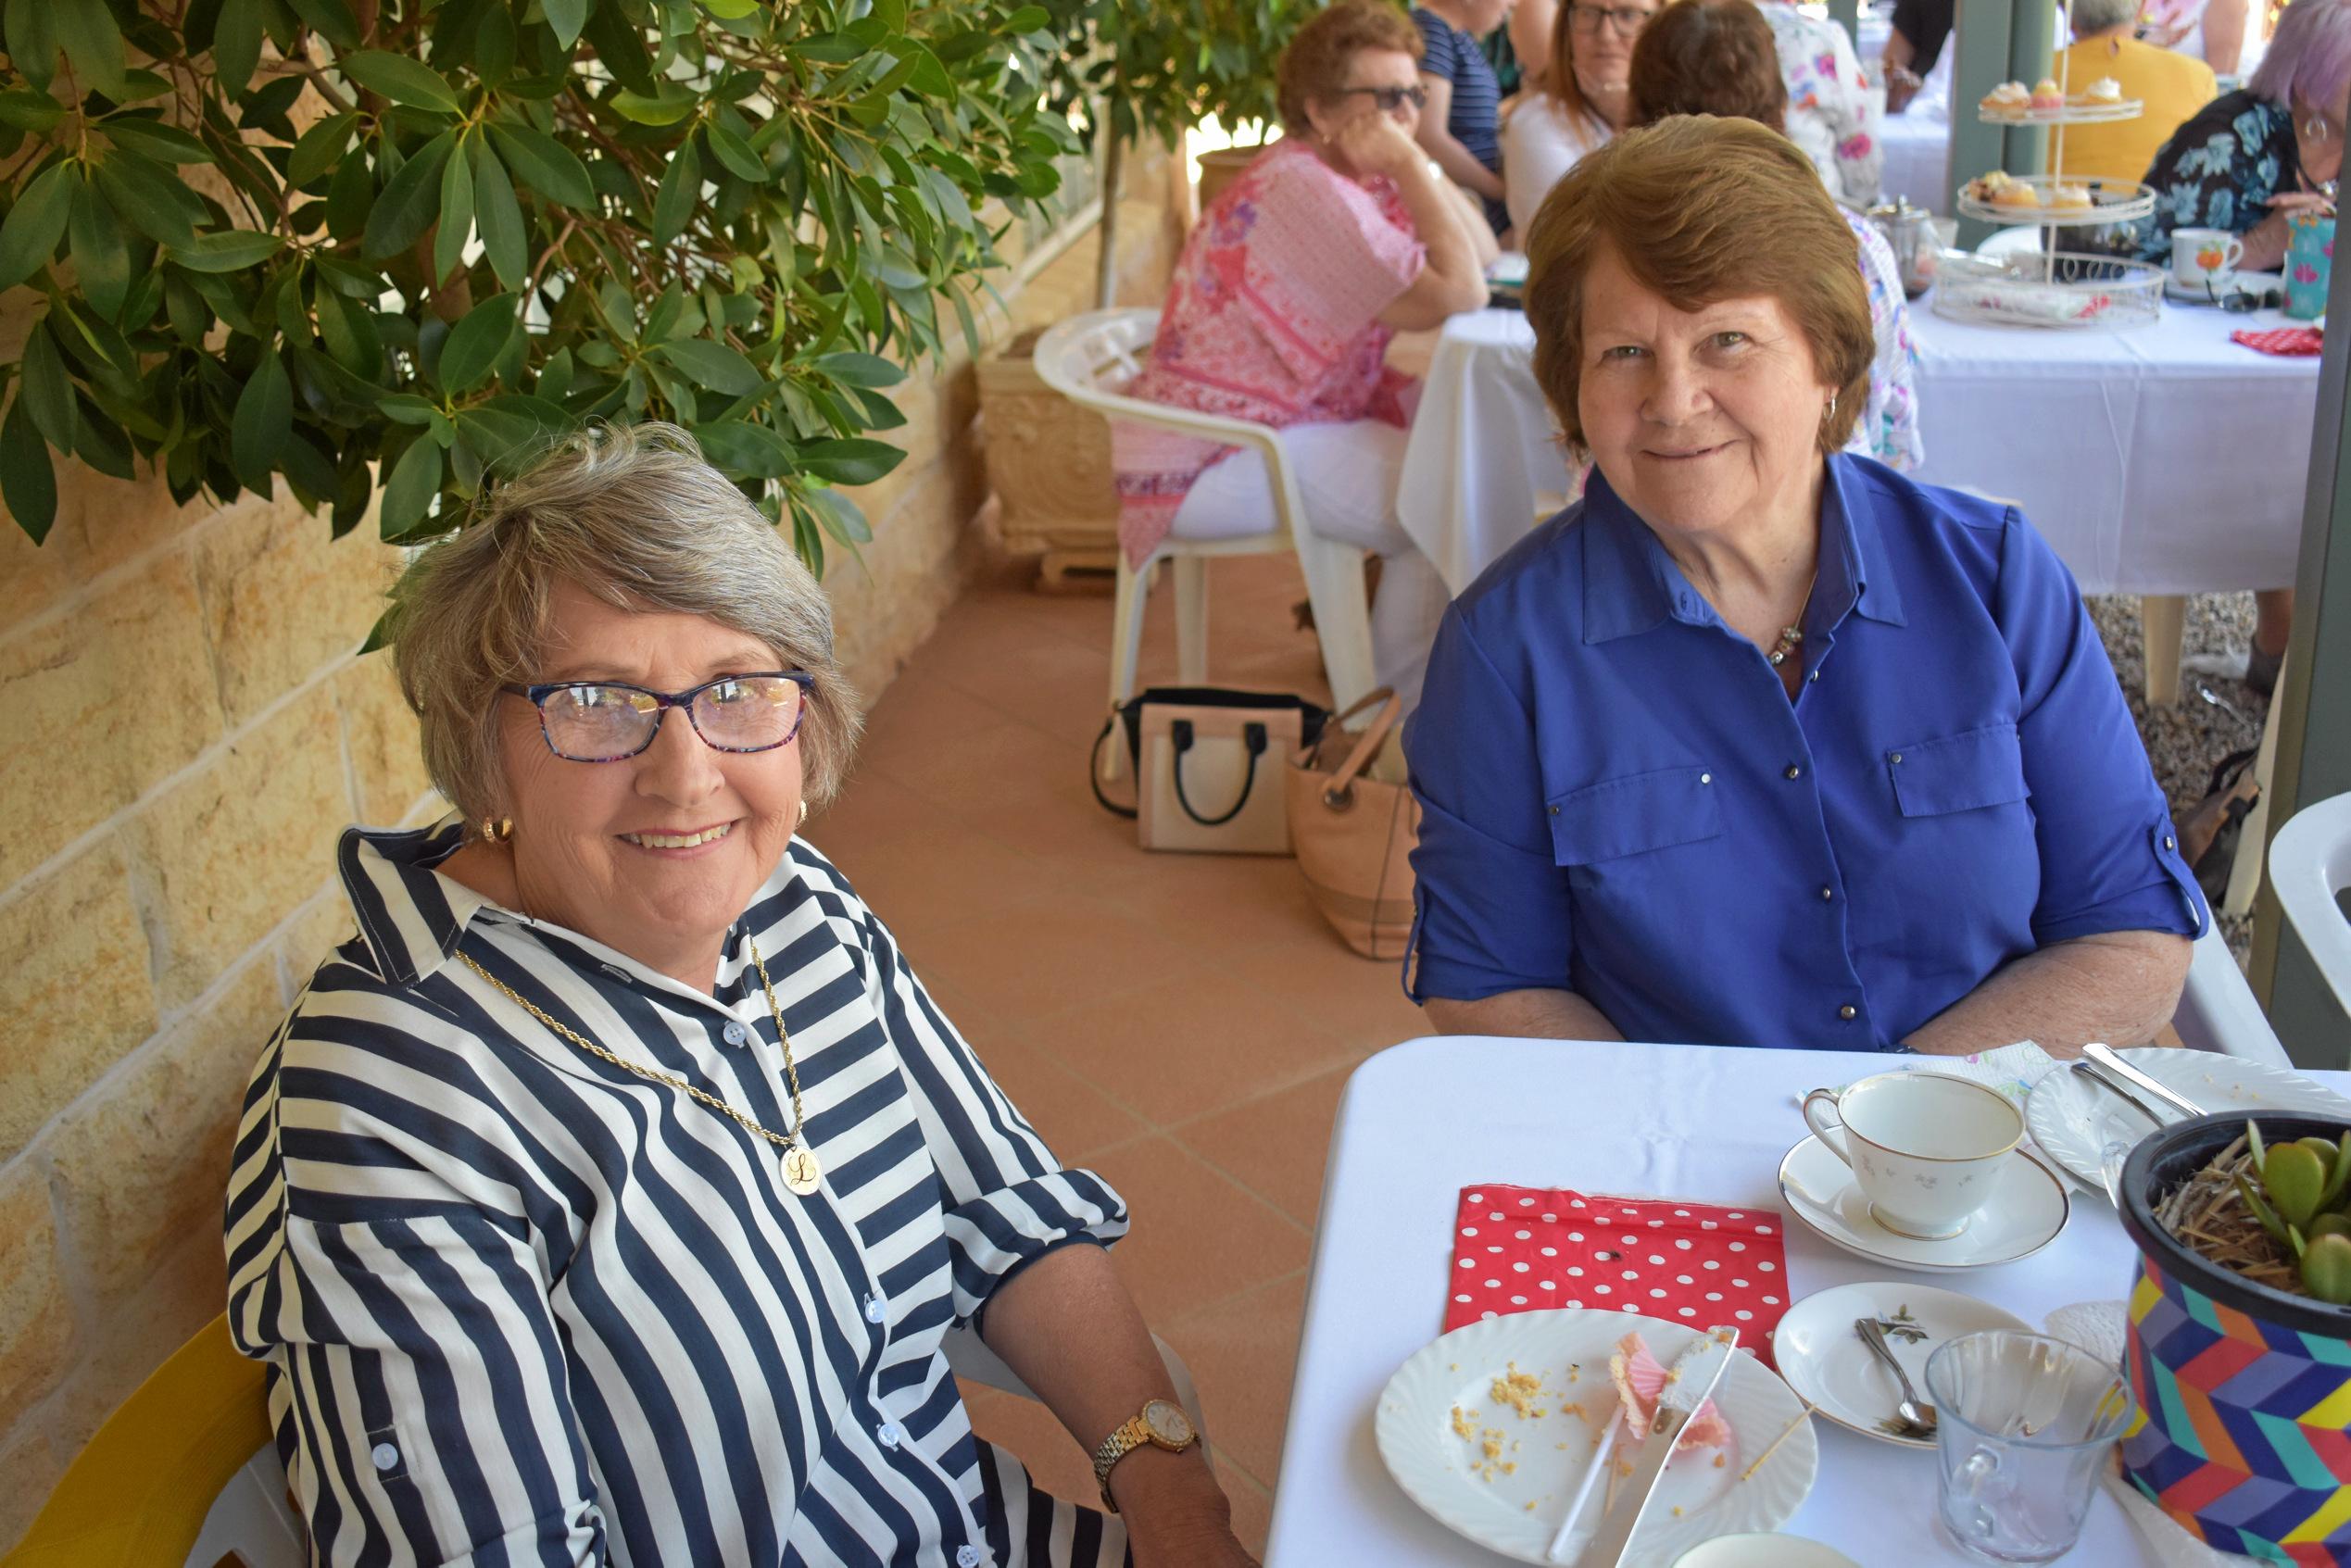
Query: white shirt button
[[1706, 778], [735, 1033], [384, 1455], [876, 1308], [887, 1434], [967, 1557]]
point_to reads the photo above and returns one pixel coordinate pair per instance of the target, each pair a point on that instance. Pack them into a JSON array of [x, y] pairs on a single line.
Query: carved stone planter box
[[1049, 462]]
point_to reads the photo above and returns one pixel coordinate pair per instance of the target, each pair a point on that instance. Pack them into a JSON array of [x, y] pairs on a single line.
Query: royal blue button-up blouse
[[1618, 798]]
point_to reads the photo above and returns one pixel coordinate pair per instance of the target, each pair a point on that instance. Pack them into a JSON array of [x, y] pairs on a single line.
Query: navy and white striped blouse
[[520, 1306]]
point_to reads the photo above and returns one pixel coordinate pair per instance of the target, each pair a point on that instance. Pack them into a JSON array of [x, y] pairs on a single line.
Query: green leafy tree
[[388, 244], [1159, 69]]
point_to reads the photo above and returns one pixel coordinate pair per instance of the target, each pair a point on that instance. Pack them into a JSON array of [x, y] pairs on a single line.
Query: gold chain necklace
[[802, 1173]]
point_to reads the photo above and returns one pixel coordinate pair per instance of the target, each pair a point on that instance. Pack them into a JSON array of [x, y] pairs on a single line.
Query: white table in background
[[2159, 461], [1425, 1118], [1918, 148]]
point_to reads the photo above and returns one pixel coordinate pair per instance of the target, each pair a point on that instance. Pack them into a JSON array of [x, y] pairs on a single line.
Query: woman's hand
[[2265, 243], [1375, 144]]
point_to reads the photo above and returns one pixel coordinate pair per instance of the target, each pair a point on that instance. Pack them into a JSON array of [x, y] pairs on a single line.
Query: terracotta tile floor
[[1183, 1024]]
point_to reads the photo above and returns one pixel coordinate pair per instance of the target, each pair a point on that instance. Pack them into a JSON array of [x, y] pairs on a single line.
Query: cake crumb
[[1719, 1460]]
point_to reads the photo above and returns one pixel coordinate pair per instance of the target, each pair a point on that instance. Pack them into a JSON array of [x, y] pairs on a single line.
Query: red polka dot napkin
[[2293, 343], [1518, 1248]]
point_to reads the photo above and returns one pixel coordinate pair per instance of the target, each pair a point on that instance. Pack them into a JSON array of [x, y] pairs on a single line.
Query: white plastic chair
[[2217, 1011], [1085, 355], [2309, 865]]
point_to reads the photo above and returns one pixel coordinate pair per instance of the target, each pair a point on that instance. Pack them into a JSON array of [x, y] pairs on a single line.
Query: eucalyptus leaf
[[347, 328], [475, 342], [45, 389], [681, 188], [101, 252], [402, 80], [92, 43], [455, 224], [713, 365], [231, 250], [164, 143], [29, 234], [264, 419], [848, 461], [498, 216], [409, 204], [27, 479], [236, 44], [410, 489], [321, 148], [567, 18], [544, 165], [28, 110]]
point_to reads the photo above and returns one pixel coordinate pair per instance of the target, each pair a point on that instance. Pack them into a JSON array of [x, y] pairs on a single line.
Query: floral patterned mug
[[1925, 1149], [2310, 263]]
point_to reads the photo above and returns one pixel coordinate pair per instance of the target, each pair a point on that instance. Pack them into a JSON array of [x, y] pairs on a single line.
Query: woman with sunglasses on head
[[607, 1198], [1281, 311], [1583, 100]]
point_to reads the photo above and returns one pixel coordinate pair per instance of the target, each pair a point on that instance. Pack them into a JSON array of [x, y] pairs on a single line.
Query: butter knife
[[1688, 1383], [2112, 1060]]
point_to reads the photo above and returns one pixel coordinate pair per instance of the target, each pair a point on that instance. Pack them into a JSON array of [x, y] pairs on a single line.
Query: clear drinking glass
[[2024, 1424]]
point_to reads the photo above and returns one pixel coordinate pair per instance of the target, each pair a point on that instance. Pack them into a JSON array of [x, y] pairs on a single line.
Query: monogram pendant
[[802, 1173]]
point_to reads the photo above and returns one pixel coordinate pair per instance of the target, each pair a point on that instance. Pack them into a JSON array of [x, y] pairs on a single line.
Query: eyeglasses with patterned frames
[[611, 721], [1625, 21], [1391, 99]]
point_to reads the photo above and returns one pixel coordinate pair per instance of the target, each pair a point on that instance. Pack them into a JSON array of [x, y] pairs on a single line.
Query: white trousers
[[1347, 477]]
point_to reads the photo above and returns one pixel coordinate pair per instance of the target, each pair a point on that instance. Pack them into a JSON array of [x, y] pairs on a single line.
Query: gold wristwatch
[[1161, 1424]]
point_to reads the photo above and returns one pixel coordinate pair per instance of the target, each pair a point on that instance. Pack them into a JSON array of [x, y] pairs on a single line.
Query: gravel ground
[[2187, 737]]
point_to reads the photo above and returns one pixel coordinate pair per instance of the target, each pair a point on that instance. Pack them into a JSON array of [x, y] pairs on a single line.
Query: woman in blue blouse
[[2250, 159], [1761, 744], [607, 1198]]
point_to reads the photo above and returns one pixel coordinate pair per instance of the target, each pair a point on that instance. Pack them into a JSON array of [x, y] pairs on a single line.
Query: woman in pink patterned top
[[1280, 312]]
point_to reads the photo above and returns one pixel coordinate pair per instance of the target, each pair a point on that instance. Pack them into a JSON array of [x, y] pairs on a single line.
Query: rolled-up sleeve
[[1492, 907], [2109, 853], [1009, 1201]]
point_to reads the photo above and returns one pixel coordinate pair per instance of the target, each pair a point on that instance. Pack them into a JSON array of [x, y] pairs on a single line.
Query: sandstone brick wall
[[183, 730]]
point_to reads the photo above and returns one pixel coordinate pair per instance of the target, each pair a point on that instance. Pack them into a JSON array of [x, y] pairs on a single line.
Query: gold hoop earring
[[497, 830]]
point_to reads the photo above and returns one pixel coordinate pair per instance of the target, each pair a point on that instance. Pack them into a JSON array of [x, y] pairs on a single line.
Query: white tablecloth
[[2158, 459], [1425, 1118], [1917, 146]]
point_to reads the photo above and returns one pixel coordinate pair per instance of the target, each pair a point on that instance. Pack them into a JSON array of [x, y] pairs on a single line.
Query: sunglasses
[[2241, 301], [1391, 99]]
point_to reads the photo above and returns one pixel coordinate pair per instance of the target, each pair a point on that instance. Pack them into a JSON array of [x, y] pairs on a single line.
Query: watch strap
[[1117, 1445]]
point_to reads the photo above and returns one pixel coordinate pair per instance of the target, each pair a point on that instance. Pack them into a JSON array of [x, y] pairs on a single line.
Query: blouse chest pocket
[[1634, 814], [1961, 772]]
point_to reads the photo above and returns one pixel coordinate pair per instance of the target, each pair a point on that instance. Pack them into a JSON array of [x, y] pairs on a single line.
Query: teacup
[[1925, 1149], [2205, 256]]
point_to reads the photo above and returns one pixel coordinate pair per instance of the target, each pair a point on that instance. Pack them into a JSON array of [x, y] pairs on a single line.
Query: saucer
[[2250, 283], [1827, 1364], [2026, 1210]]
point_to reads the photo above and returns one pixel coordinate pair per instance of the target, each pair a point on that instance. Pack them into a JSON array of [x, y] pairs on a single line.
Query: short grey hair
[[635, 517], [2101, 16]]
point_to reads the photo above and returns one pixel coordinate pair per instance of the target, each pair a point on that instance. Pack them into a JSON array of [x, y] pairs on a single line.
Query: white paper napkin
[[2099, 1328]]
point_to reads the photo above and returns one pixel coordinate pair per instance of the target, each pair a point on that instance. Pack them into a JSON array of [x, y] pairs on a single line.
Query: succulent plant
[[2297, 1190]]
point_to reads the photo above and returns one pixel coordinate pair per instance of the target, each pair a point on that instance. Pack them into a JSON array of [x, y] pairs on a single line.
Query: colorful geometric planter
[[2243, 1432]]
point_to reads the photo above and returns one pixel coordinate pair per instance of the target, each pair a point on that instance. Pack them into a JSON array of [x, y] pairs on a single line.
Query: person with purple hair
[[2250, 159], [2246, 162]]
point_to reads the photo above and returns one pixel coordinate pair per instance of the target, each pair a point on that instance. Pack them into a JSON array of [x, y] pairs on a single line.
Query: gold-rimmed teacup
[[1925, 1149]]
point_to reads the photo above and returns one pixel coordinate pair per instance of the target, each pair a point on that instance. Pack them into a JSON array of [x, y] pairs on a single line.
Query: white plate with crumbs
[[2072, 1119], [1501, 1470]]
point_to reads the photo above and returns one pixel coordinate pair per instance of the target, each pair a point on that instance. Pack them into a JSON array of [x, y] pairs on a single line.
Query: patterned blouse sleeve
[[1853, 114], [406, 1317], [1322, 261], [1009, 1201], [1889, 430]]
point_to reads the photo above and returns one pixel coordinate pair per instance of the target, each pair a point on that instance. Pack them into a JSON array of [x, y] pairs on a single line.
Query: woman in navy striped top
[[607, 1198]]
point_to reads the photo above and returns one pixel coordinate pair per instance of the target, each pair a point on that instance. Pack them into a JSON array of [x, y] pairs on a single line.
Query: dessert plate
[[2073, 1120], [1827, 1364], [1438, 1413], [2026, 1210]]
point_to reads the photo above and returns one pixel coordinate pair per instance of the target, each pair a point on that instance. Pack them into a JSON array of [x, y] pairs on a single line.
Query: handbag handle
[[1340, 793], [1253, 735]]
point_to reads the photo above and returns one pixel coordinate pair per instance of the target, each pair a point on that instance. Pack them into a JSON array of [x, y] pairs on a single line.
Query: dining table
[[2160, 460], [1422, 1121]]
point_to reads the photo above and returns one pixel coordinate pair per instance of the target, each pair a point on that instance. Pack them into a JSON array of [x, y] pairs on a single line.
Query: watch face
[[1168, 1423]]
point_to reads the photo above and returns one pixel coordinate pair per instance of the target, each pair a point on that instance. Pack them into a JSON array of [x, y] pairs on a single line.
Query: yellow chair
[[183, 1472]]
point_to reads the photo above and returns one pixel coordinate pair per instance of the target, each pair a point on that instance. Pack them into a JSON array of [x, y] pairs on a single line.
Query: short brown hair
[[1709, 56], [1700, 209], [634, 515], [1313, 67]]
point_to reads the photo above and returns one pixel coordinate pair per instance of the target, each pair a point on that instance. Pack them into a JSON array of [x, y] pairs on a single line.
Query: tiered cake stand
[[2051, 287]]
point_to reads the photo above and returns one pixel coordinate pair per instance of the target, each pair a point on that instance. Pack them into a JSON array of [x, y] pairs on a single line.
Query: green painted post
[[1847, 15], [2313, 713], [1998, 40]]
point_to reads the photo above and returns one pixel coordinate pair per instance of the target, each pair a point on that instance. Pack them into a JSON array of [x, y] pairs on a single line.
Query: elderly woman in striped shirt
[[607, 1198]]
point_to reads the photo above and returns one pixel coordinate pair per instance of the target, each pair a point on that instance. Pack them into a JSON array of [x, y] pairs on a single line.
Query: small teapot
[[1910, 232]]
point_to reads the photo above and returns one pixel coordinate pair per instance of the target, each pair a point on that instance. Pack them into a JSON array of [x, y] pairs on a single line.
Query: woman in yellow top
[[2171, 86]]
